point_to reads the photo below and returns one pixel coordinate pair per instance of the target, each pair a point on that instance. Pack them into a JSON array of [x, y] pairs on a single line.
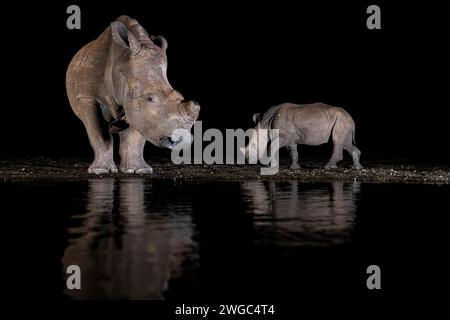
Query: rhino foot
[[330, 166], [294, 166], [357, 167], [137, 170], [95, 169]]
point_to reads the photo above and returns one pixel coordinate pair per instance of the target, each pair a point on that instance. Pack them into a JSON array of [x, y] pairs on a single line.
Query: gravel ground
[[375, 171]]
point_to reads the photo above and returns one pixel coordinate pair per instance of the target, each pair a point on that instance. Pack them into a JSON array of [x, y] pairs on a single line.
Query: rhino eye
[[150, 99]]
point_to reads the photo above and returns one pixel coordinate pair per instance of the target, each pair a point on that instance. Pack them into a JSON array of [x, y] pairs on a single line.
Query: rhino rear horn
[[123, 37]]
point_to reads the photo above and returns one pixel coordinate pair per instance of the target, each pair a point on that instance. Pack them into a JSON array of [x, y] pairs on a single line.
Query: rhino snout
[[178, 137], [190, 110]]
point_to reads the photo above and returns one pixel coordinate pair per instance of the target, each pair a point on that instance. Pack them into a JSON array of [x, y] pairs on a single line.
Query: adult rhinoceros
[[118, 83]]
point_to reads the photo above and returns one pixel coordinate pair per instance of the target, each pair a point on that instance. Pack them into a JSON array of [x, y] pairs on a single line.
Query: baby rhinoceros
[[310, 124]]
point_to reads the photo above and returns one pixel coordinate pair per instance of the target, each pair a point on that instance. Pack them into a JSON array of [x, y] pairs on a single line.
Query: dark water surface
[[138, 238]]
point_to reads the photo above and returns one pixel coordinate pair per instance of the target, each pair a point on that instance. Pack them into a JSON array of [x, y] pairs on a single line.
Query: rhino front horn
[[191, 109]]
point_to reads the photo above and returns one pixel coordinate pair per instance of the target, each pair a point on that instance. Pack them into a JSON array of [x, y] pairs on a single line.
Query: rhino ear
[[256, 118], [123, 37], [160, 41]]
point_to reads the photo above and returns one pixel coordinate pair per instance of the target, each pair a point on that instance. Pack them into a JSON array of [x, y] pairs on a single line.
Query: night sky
[[237, 60]]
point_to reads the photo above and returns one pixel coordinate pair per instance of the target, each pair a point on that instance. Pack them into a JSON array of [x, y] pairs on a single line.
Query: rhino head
[[139, 81], [251, 150]]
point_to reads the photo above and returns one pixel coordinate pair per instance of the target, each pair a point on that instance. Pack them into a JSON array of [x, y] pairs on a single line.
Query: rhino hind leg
[[132, 153], [99, 136], [338, 137], [353, 151], [335, 157], [294, 156], [356, 153]]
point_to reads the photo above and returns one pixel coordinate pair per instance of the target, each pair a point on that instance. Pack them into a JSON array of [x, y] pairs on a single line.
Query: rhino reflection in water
[[124, 249], [302, 214]]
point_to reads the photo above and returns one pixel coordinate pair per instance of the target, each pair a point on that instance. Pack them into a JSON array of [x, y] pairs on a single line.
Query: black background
[[238, 59]]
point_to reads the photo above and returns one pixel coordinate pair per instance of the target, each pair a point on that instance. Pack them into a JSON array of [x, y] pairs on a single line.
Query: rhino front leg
[[294, 156], [99, 137], [132, 153]]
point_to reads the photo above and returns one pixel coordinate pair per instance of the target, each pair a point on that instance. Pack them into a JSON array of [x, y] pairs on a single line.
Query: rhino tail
[[353, 132]]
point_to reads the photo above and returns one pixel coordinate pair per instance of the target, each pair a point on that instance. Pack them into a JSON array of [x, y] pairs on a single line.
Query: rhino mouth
[[168, 142], [172, 141]]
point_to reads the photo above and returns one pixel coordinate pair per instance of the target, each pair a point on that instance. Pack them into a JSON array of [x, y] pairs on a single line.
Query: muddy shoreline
[[397, 171]]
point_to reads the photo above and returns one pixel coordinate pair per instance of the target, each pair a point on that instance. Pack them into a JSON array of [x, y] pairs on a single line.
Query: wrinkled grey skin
[[310, 124], [118, 83]]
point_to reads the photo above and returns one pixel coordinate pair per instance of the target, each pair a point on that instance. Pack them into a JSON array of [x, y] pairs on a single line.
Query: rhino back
[[86, 71], [309, 124]]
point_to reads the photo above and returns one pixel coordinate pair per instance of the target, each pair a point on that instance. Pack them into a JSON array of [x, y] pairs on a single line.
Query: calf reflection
[[124, 247], [302, 214]]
